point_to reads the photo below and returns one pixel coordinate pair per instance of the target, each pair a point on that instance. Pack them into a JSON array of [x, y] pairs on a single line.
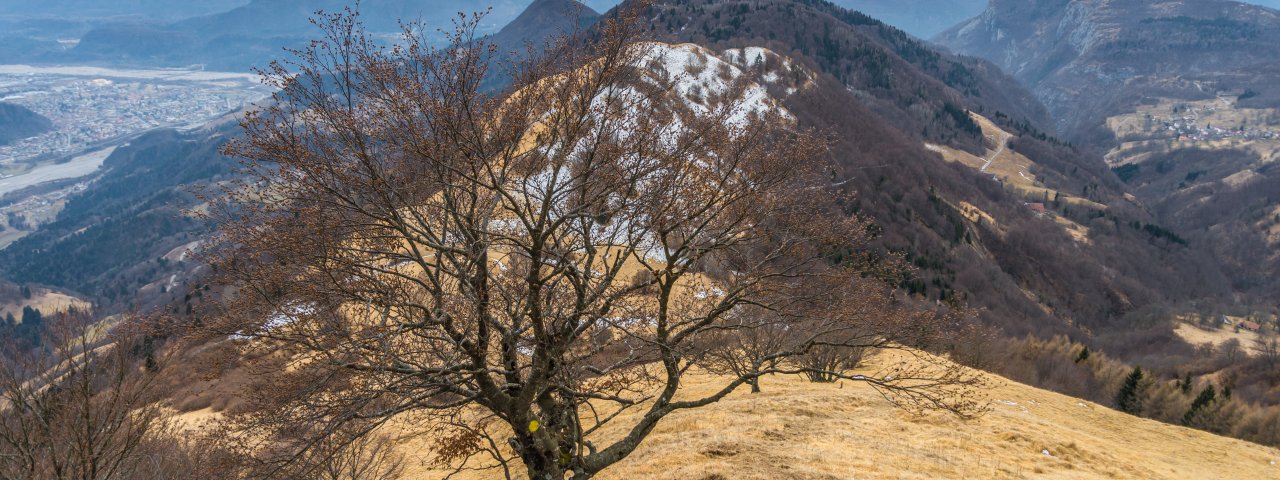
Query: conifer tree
[[31, 316], [1127, 398], [1203, 400]]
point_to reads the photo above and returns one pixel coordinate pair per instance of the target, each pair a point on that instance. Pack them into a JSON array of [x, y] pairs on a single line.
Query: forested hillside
[[18, 122], [109, 241], [1024, 269], [1180, 96]]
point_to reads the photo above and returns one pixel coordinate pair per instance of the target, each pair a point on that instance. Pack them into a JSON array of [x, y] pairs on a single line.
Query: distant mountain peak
[[557, 3], [552, 10], [542, 20]]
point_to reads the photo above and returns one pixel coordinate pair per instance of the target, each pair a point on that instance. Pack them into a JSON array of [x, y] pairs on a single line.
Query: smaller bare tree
[[81, 407], [827, 364], [352, 453], [1268, 348], [1231, 352], [747, 351]]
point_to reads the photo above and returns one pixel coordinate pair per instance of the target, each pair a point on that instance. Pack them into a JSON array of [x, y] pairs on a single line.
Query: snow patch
[[699, 77], [284, 316]]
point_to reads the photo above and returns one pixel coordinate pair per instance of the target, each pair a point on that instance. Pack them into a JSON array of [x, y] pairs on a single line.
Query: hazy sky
[[922, 18]]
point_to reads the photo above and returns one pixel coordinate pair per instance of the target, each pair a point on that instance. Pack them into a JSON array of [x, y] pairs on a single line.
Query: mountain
[[17, 122], [40, 32], [270, 18], [96, 9], [543, 19], [1085, 59], [908, 122], [1183, 98], [257, 32], [116, 237], [922, 18]]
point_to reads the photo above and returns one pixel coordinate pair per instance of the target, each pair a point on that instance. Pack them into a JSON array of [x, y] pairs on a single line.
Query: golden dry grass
[[974, 214], [10, 235], [47, 301], [795, 429], [1011, 168], [1148, 121], [1078, 232], [1273, 233], [1196, 335], [1240, 178], [801, 430]]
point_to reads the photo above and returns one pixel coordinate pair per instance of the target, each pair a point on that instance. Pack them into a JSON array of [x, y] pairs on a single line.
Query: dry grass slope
[[1007, 166], [800, 430], [1217, 124], [45, 300]]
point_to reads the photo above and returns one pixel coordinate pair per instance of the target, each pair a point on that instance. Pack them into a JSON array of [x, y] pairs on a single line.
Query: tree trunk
[[755, 385], [542, 467], [540, 462]]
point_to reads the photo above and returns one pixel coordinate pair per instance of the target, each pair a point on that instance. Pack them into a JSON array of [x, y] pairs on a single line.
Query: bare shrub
[[86, 408]]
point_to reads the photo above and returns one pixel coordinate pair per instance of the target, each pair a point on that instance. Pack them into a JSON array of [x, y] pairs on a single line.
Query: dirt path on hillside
[[1000, 146]]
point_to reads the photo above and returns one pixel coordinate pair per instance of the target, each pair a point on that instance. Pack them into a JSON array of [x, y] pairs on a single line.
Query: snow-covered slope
[[746, 82]]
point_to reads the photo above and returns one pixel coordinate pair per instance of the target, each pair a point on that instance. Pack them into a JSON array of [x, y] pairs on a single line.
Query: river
[[78, 167]]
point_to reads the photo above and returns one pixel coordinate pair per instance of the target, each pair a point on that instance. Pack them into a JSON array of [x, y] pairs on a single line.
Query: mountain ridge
[[1056, 46], [540, 21], [880, 131], [259, 31], [1181, 97], [18, 122]]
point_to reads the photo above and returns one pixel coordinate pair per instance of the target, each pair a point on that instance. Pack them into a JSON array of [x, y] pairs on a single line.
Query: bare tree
[[828, 364], [349, 454], [81, 407], [1231, 352], [748, 350], [1268, 347], [366, 457], [516, 271]]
